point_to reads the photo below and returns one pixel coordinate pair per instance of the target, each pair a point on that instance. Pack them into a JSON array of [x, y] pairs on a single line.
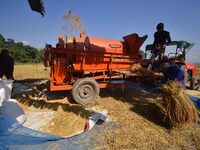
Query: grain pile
[[65, 123], [178, 107], [67, 119]]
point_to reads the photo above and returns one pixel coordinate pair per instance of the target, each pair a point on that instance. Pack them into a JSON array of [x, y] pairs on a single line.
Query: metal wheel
[[85, 91]]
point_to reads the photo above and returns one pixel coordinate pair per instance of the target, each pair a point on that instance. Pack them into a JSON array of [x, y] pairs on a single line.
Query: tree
[[21, 53], [2, 41]]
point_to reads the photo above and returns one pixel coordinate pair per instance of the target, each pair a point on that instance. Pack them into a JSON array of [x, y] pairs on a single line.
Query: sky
[[111, 19]]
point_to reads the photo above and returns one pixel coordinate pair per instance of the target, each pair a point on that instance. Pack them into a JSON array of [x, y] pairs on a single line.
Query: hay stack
[[179, 108]]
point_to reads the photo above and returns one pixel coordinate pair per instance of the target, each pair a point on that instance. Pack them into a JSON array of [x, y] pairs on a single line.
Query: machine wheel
[[85, 91], [194, 84]]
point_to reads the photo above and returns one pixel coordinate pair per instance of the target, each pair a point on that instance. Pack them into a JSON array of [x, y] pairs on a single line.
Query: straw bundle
[[179, 107], [135, 68], [138, 69]]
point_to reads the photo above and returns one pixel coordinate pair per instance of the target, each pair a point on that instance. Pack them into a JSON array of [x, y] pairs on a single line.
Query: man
[[175, 72], [161, 37], [6, 64]]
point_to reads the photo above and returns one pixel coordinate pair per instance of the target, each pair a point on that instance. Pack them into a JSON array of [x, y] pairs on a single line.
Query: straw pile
[[135, 68], [179, 108], [138, 69]]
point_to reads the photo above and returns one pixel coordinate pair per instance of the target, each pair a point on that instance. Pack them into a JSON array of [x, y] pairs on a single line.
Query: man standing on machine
[[161, 37]]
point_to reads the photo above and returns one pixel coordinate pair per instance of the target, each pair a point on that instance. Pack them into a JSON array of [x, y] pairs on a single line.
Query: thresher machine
[[85, 64]]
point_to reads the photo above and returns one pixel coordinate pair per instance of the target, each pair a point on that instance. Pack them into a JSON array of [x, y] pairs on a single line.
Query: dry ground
[[140, 121], [30, 71]]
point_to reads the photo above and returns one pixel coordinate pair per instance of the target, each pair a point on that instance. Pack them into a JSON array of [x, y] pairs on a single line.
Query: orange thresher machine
[[86, 64]]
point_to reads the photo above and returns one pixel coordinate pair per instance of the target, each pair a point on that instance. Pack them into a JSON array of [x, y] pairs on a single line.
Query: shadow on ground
[[142, 103]]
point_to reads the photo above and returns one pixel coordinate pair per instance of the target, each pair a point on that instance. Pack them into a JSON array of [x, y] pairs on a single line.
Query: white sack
[[5, 90], [10, 107]]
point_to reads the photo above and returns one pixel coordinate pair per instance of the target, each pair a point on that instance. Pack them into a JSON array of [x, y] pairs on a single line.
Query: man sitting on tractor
[[161, 37]]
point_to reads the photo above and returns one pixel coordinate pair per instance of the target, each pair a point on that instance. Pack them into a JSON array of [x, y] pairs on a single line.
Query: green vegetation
[[20, 52]]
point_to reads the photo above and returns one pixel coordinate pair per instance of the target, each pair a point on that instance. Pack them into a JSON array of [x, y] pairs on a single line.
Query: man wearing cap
[[161, 37]]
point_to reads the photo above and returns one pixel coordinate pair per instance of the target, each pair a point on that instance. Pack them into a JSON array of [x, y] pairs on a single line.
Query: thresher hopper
[[86, 64]]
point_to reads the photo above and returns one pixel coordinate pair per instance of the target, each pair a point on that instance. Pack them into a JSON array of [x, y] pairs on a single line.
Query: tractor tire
[[194, 84], [85, 91]]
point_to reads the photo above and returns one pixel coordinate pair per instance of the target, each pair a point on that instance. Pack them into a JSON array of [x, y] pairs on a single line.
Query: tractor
[[175, 54]]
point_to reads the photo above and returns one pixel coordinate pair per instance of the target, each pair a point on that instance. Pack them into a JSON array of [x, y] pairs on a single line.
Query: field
[[139, 119], [30, 71], [36, 71]]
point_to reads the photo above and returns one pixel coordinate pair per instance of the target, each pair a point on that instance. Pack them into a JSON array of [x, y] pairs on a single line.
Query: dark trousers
[[8, 74]]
